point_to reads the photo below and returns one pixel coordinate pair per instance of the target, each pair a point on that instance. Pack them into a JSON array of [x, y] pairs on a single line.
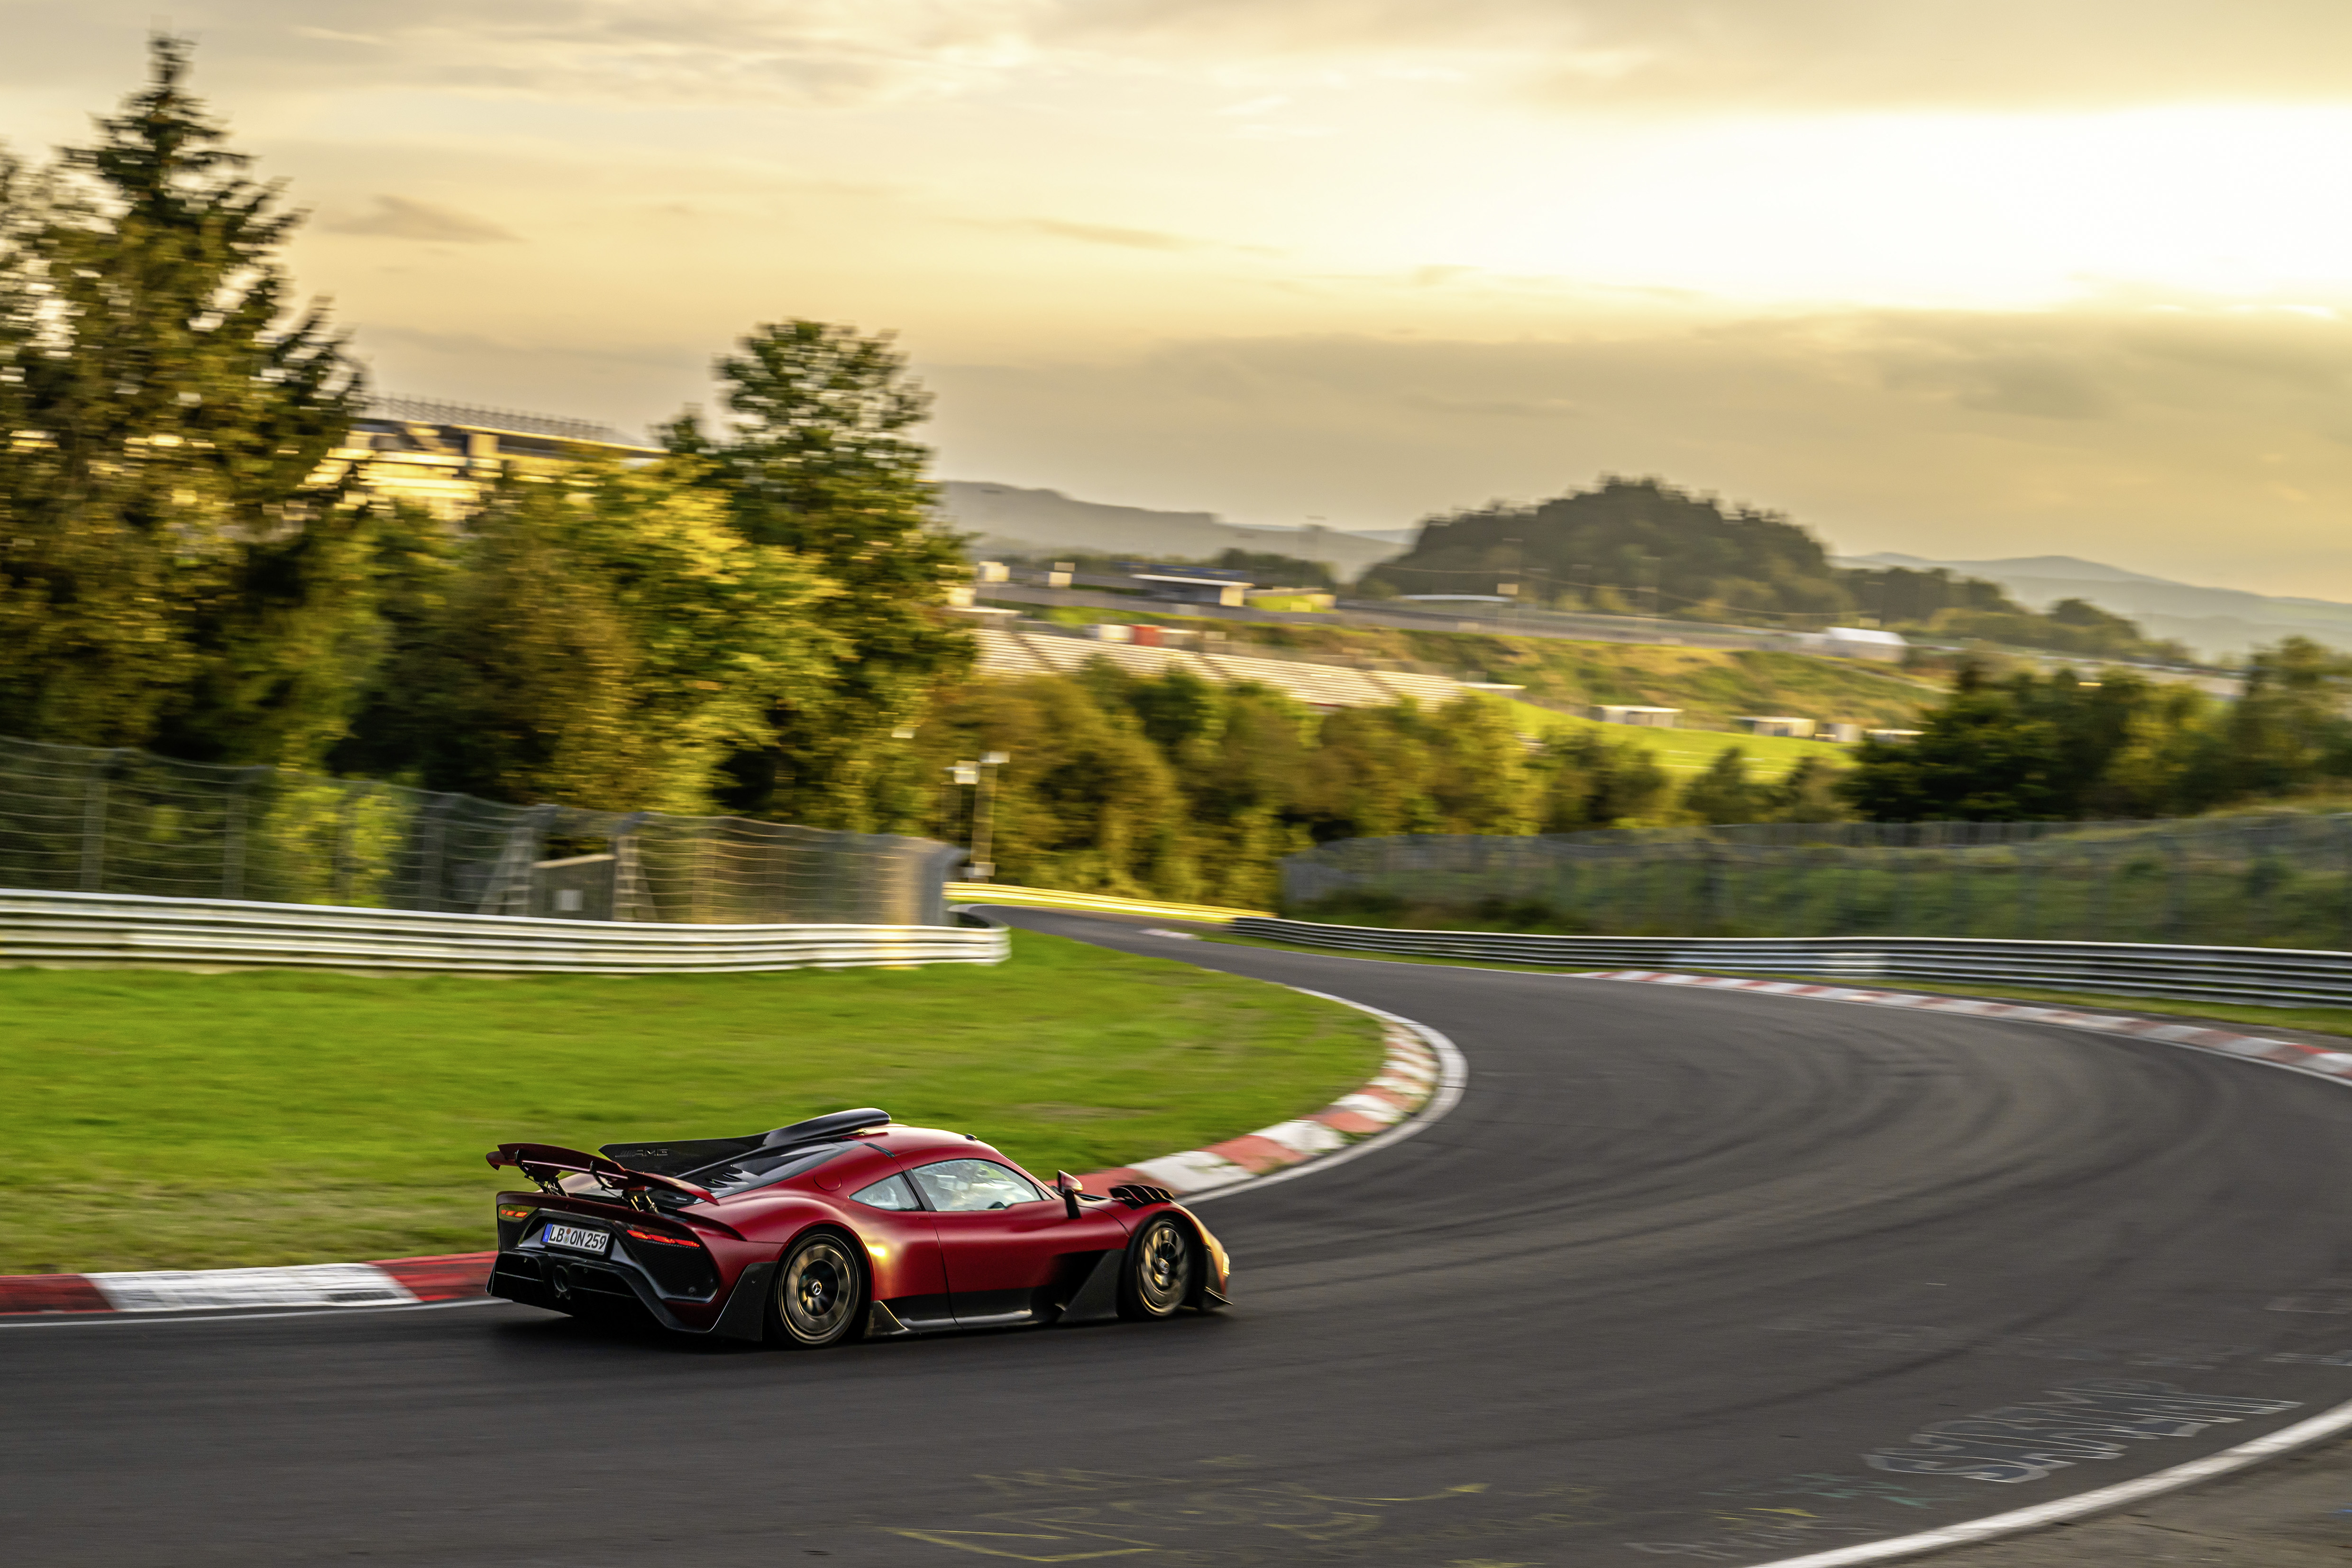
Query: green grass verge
[[170, 1121], [2316, 1020], [1682, 753]]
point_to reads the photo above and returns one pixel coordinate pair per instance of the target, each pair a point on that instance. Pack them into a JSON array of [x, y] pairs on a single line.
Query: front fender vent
[[1135, 1195]]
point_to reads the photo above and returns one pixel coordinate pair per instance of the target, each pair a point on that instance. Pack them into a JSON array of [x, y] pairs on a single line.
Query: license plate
[[580, 1237]]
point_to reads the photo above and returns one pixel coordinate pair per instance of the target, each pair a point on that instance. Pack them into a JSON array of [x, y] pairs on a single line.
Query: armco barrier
[[2263, 976], [60, 929], [1097, 903]]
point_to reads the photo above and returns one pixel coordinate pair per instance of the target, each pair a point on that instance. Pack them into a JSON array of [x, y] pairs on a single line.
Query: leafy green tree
[[1478, 779], [529, 675], [814, 457], [1367, 778], [611, 642], [2042, 747], [1723, 793], [1086, 800], [2288, 729], [1808, 793], [1985, 755], [1588, 781], [172, 567]]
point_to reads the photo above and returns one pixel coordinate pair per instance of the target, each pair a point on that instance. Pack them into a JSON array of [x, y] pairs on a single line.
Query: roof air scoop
[[835, 1124]]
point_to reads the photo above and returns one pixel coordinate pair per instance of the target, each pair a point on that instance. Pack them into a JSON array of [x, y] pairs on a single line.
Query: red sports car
[[837, 1229]]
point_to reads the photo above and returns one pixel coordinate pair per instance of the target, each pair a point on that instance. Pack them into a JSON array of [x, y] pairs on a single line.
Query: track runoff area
[[1685, 1274]]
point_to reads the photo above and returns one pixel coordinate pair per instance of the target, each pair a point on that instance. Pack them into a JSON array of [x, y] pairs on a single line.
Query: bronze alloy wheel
[[1162, 1268], [816, 1294]]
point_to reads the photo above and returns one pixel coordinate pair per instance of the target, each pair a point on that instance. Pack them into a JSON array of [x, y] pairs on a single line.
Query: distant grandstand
[[444, 456]]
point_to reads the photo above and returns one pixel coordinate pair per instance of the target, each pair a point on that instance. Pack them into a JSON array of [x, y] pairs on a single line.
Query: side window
[[962, 1186], [889, 1193]]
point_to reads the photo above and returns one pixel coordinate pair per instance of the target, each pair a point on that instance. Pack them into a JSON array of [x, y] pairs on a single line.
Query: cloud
[[1495, 407], [1784, 54], [1106, 233], [397, 217], [1703, 55]]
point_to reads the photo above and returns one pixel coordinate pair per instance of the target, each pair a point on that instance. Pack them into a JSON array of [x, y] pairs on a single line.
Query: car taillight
[[655, 1235], [516, 1211]]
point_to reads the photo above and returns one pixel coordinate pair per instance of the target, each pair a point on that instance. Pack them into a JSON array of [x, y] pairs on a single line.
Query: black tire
[[1162, 1259], [819, 1297]]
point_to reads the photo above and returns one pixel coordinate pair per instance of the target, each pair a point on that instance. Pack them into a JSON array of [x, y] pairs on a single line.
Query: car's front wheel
[[1159, 1273], [820, 1292]]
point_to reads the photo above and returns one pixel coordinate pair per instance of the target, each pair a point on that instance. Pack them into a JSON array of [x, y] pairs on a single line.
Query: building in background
[[1194, 585], [1630, 713], [445, 456]]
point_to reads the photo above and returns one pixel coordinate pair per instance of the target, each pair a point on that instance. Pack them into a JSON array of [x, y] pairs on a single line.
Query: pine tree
[[815, 457], [171, 569]]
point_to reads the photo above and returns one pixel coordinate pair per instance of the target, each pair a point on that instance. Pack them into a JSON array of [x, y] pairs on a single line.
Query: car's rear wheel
[[820, 1292], [1161, 1261]]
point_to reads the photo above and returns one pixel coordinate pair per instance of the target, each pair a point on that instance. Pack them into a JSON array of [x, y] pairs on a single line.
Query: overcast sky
[[2000, 278]]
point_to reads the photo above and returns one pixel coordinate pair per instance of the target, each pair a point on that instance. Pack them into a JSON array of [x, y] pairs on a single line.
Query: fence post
[[431, 852], [2180, 858], [701, 904], [2343, 859], [2029, 906], [93, 822], [233, 850], [510, 878], [2106, 859], [344, 818], [629, 891]]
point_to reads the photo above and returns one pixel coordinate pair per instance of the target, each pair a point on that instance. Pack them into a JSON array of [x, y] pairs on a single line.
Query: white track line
[[1453, 1077], [1993, 1526], [231, 1315]]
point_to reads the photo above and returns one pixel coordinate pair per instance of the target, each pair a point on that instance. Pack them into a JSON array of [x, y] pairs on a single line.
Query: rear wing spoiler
[[545, 1164]]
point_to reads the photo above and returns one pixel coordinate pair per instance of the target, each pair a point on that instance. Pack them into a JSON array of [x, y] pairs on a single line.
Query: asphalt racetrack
[[1675, 1266]]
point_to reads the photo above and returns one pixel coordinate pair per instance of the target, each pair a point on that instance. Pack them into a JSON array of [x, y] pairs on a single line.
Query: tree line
[[2029, 747], [740, 626], [1180, 788]]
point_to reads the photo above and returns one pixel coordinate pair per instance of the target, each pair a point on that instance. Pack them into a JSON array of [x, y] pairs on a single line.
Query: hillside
[[1642, 546], [1712, 686], [1631, 544], [2215, 622]]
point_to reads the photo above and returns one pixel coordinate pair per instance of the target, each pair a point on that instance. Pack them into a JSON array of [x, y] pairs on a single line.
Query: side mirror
[[1069, 1187]]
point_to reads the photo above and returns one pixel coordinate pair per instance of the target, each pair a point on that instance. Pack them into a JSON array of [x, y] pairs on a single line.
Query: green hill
[[1641, 546]]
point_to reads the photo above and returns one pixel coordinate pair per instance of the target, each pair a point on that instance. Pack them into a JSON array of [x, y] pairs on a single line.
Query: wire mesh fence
[[2274, 880], [76, 818]]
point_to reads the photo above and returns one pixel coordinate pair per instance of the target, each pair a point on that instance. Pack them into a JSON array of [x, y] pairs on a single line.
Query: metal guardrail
[[49, 929], [2260, 976], [1100, 903]]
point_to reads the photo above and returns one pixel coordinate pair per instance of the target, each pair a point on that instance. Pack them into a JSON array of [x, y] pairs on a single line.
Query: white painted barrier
[[49, 929]]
